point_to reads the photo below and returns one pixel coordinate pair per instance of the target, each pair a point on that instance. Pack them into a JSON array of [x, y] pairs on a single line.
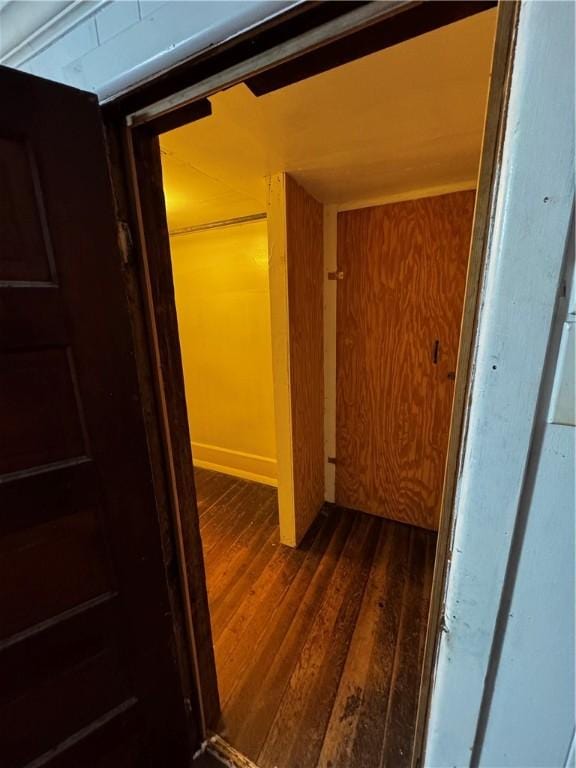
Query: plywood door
[[295, 232], [87, 649], [399, 308], [305, 256]]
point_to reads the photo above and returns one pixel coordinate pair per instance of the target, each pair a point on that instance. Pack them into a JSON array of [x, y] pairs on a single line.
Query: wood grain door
[[304, 255], [399, 308], [87, 668]]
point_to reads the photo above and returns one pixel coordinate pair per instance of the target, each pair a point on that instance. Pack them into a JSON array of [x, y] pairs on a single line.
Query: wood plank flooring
[[318, 649]]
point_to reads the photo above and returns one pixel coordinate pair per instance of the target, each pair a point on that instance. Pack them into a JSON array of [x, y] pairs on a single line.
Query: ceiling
[[407, 118]]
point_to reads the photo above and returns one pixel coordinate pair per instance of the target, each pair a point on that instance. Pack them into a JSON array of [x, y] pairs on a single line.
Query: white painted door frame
[[522, 278]]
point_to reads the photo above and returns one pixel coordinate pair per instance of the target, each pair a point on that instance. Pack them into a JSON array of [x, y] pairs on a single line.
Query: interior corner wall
[[503, 687], [223, 308], [296, 224]]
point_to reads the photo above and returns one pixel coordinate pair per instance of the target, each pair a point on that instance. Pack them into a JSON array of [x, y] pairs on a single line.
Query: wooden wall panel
[[295, 236], [404, 270], [305, 254]]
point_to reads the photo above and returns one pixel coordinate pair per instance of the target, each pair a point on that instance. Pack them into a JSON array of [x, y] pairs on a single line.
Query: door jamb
[[183, 573], [488, 181], [135, 132], [341, 27], [146, 198]]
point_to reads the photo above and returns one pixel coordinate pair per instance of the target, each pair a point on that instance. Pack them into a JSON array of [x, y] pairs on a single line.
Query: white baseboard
[[248, 466]]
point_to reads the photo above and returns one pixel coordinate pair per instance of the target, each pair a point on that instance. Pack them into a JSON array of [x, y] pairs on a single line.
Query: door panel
[[86, 638], [399, 308], [305, 258]]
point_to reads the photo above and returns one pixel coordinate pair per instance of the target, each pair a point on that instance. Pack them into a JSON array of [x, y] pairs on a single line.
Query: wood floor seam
[[395, 658]]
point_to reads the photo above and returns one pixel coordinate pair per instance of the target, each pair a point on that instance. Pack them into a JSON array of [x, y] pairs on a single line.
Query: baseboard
[[248, 466]]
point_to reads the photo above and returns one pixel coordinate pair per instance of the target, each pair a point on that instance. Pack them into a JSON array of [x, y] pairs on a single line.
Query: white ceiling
[[407, 118]]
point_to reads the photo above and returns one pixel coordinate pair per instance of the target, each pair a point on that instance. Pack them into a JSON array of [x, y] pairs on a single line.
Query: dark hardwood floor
[[318, 649]]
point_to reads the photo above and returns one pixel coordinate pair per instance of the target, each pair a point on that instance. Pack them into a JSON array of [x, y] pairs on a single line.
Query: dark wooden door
[[399, 309], [87, 669]]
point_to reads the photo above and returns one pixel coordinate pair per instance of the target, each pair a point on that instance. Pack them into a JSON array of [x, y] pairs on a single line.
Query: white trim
[[250, 466], [194, 45], [235, 472], [563, 402], [45, 35], [332, 30], [280, 327], [570, 761], [523, 272]]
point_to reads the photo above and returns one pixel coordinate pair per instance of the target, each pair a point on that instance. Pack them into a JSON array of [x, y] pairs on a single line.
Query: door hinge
[[331, 459], [336, 275], [125, 242]]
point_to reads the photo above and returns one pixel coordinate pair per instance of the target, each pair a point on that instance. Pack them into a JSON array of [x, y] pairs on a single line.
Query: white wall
[[531, 713], [504, 690], [223, 308], [530, 720], [107, 47]]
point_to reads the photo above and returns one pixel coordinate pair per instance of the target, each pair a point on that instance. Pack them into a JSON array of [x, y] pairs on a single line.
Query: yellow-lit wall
[[223, 306]]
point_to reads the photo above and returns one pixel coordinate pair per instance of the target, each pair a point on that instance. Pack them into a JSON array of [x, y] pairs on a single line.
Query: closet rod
[[218, 224]]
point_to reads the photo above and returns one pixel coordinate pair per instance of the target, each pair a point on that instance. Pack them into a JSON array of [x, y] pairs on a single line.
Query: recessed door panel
[[87, 657], [26, 247]]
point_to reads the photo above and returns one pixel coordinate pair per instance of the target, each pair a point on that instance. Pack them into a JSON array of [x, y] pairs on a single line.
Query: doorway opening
[[319, 237]]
